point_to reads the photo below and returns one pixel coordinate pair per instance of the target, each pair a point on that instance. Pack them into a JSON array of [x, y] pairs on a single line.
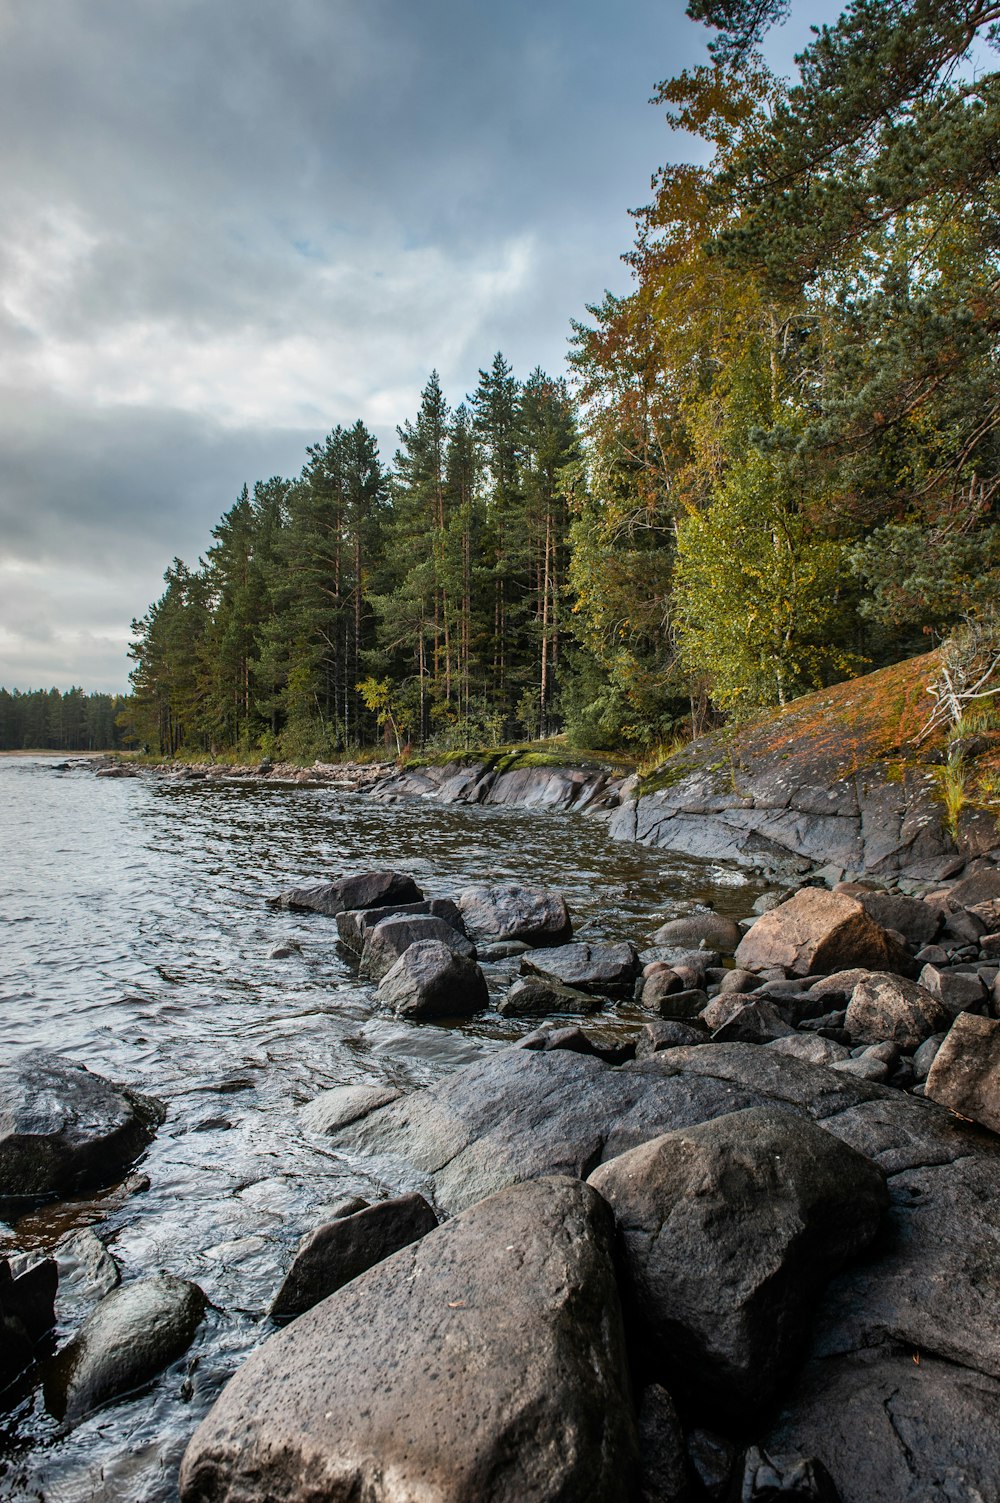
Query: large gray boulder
[[359, 890], [332, 1255], [889, 1008], [603, 970], [485, 1361], [388, 940], [506, 910], [430, 981], [353, 923], [730, 1230], [133, 1333], [818, 931], [64, 1129], [540, 995], [917, 921], [965, 1075]]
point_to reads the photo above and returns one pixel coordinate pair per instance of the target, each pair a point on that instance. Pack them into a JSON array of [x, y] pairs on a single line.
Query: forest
[[775, 462], [47, 720]]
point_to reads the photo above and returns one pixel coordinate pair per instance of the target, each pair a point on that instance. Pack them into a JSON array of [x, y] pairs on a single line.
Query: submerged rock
[[730, 1230], [64, 1129], [341, 1105], [332, 1255], [495, 1369], [132, 1335]]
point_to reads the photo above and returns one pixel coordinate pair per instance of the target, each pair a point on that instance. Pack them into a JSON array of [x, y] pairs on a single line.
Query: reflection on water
[[136, 940]]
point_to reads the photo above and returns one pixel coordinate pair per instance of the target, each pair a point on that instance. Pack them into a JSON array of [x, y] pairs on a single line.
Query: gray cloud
[[228, 225]]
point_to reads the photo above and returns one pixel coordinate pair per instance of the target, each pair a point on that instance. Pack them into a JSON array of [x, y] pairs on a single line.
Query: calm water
[[135, 940]]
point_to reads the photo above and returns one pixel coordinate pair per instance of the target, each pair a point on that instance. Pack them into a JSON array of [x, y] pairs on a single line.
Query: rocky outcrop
[[731, 1229], [486, 1360], [64, 1129], [133, 1333]]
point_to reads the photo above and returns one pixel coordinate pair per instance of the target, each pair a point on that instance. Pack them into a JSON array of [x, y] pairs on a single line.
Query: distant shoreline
[[62, 756]]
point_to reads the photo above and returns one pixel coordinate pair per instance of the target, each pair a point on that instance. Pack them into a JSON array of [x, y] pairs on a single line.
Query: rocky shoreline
[[748, 1252]]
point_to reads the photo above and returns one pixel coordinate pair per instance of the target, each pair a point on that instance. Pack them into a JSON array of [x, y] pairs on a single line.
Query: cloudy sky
[[228, 225]]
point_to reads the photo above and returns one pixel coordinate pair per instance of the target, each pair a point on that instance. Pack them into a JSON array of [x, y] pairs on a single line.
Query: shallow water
[[136, 939]]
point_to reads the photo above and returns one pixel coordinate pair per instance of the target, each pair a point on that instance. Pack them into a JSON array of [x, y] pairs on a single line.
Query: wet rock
[[332, 1255], [132, 1335], [502, 950], [695, 929], [965, 1075], [485, 1361], [27, 1313], [335, 1108], [284, 951], [662, 994], [531, 995], [360, 890], [889, 1007], [64, 1129], [662, 1460], [811, 1048], [388, 940], [819, 931], [664, 1033], [505, 911], [604, 970], [429, 980], [87, 1272], [755, 1203], [753, 1023], [889, 1428], [768, 1479], [957, 991], [353, 924]]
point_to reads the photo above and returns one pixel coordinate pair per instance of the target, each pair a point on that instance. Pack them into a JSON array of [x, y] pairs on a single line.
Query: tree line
[[50, 720], [777, 463]]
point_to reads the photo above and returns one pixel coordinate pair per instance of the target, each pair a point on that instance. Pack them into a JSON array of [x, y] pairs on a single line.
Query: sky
[[227, 226]]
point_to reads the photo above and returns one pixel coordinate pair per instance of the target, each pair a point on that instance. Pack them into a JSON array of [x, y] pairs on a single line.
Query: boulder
[[429, 980], [663, 995], [87, 1272], [353, 923], [667, 1033], [531, 995], [800, 1479], [753, 1023], [388, 940], [64, 1129], [965, 1075], [923, 1057], [918, 922], [839, 988], [133, 1333], [27, 1312], [889, 1428], [485, 1361], [957, 991], [981, 887], [730, 1230], [883, 1006], [332, 1255], [603, 970], [695, 929], [810, 1048], [337, 1107], [818, 931], [361, 890], [506, 911], [712, 1459], [738, 980], [662, 1462]]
